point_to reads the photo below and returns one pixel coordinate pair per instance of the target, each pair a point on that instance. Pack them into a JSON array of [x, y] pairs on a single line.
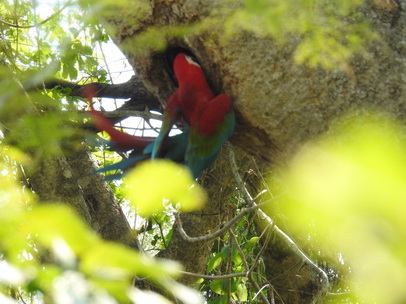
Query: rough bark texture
[[107, 218], [68, 177], [280, 104], [71, 180]]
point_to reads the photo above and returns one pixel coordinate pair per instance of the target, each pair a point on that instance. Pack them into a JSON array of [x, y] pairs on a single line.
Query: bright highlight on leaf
[[351, 188], [110, 266], [13, 200], [152, 185], [50, 223]]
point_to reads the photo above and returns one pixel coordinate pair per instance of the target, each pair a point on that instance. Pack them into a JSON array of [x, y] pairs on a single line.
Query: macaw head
[[188, 71]]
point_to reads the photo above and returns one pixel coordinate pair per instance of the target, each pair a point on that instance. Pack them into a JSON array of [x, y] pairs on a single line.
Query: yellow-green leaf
[[50, 223], [350, 188], [153, 185]]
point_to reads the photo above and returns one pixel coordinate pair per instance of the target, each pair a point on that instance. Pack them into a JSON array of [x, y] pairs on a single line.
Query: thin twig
[[249, 271], [264, 183], [237, 177], [283, 236], [250, 200], [264, 245], [228, 268], [161, 231], [259, 293], [214, 277], [227, 226], [270, 227]]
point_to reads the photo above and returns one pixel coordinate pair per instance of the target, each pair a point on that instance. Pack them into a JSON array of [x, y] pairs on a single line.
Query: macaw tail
[[174, 150], [120, 140], [122, 166]]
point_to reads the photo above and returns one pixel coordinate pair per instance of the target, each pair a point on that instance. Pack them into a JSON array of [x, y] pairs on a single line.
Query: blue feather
[[174, 149]]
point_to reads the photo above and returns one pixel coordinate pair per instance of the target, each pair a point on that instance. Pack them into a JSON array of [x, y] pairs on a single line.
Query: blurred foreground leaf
[[48, 248], [350, 186], [152, 185]]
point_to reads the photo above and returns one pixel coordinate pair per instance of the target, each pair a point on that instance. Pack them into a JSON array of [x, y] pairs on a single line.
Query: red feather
[[210, 114], [121, 139]]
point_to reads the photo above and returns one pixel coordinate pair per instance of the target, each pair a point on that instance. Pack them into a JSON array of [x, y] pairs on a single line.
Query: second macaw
[[210, 118], [174, 148], [119, 140]]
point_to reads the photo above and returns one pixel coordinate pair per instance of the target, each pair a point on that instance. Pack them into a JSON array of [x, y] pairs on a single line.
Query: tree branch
[[227, 226], [134, 89], [215, 277], [140, 98], [119, 113], [285, 240]]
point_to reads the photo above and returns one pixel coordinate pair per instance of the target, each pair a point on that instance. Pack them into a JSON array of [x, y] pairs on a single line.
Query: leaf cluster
[[348, 189], [47, 249]]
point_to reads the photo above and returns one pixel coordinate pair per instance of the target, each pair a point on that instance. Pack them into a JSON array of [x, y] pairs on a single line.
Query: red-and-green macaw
[[210, 122], [120, 140], [210, 118], [174, 149]]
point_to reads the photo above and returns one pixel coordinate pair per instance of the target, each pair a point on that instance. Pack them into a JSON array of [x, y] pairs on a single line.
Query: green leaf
[[111, 261], [50, 223], [254, 240], [349, 187], [168, 237], [45, 278], [42, 133], [72, 72], [218, 300], [242, 292], [328, 39], [152, 185], [13, 201], [221, 286], [214, 262], [225, 251]]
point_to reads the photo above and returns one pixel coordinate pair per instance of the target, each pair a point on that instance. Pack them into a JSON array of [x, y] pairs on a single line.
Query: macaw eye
[[192, 61]]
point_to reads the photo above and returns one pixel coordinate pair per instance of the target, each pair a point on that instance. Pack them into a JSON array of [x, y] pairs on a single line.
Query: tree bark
[[280, 105], [71, 180], [107, 217], [67, 177]]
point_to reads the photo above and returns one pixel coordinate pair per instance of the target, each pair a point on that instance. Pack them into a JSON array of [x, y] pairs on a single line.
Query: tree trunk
[[279, 104], [71, 180]]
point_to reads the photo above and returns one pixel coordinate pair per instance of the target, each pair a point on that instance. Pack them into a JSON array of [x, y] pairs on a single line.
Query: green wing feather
[[202, 150]]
